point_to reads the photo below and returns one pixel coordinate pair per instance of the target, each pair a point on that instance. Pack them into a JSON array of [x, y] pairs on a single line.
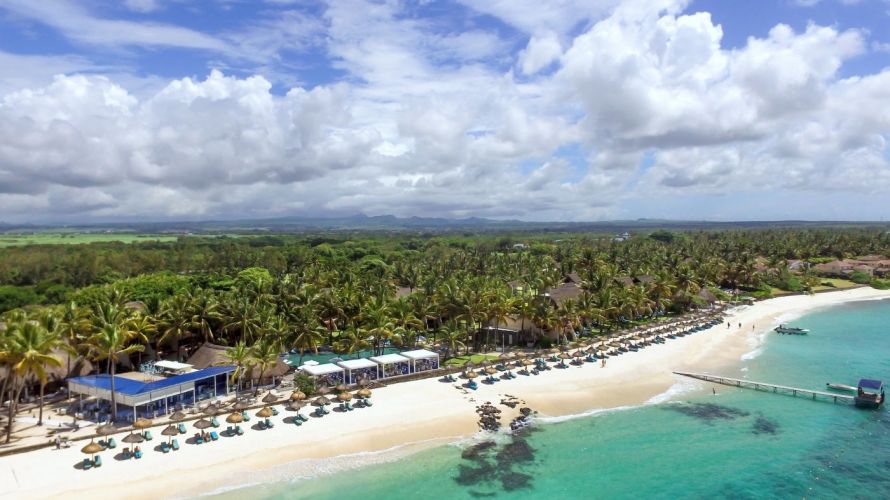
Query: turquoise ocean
[[735, 444]]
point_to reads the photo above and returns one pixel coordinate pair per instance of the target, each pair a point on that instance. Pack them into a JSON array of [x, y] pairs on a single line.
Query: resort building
[[173, 386], [357, 369], [422, 360], [392, 365], [325, 374]]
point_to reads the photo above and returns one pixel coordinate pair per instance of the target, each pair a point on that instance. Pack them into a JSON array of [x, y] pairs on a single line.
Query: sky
[[568, 110]]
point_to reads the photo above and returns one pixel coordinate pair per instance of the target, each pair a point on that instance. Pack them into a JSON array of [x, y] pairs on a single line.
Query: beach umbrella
[[142, 423], [270, 398], [133, 438], [296, 405], [265, 412], [203, 424], [92, 448], [564, 355], [323, 390], [241, 405], [342, 388], [106, 430], [578, 354], [321, 401], [506, 355], [170, 431], [235, 418], [297, 396], [471, 375], [554, 350], [177, 416], [364, 392], [490, 371], [344, 396], [527, 362], [212, 410]]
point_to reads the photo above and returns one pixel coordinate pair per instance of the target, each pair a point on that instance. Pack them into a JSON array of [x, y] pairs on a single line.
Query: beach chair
[[213, 435], [175, 444], [274, 412], [368, 402], [181, 428], [137, 454], [245, 416], [214, 422], [147, 435], [126, 453], [199, 439], [87, 464], [165, 448], [298, 421], [239, 430], [269, 424], [98, 461], [229, 431], [112, 443]]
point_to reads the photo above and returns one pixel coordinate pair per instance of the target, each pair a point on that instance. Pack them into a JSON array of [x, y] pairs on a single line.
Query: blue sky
[[562, 110]]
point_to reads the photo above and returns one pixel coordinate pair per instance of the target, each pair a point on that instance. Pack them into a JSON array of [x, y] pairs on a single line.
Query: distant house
[[566, 291], [624, 280], [573, 278], [520, 246], [644, 279], [836, 268], [795, 265], [622, 237]]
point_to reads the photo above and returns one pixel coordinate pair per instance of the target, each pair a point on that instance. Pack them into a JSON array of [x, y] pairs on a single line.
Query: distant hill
[[391, 223]]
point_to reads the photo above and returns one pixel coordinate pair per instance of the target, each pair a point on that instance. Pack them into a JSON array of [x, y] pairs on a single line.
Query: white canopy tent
[[422, 360], [358, 368], [391, 365], [174, 367], [325, 374]]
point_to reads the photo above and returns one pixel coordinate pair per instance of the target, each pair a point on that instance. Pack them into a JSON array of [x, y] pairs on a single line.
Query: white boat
[[841, 387]]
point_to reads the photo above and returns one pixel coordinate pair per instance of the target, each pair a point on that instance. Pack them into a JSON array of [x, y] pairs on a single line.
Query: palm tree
[[74, 325], [241, 356], [307, 338], [452, 335], [36, 344], [110, 339], [264, 355], [500, 305], [205, 310], [176, 322]]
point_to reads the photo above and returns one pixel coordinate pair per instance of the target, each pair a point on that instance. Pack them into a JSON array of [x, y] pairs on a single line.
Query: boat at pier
[[869, 394]]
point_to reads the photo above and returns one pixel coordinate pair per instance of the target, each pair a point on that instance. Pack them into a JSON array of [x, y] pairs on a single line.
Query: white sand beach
[[407, 417]]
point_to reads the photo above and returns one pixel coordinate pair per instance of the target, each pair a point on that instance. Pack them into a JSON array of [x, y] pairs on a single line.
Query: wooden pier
[[765, 387]]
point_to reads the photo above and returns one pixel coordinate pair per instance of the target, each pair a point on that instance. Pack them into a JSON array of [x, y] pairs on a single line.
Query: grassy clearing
[[14, 240], [475, 358], [836, 284]]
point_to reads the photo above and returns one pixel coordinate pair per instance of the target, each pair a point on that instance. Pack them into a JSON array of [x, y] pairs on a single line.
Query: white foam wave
[[683, 386]]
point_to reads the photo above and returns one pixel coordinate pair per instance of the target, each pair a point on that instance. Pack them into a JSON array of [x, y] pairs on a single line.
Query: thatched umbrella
[[105, 430], [342, 388], [344, 396], [92, 448], [170, 431], [323, 390], [212, 410], [265, 412], [554, 350], [564, 355], [235, 418], [177, 416], [296, 405], [241, 405], [133, 438], [490, 370], [142, 423], [506, 355], [471, 375], [297, 396], [527, 362], [364, 393], [203, 424], [321, 401], [270, 398], [578, 354]]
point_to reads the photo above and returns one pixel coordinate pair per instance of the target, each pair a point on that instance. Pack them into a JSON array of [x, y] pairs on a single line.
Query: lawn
[[837, 284], [12, 239], [475, 358]]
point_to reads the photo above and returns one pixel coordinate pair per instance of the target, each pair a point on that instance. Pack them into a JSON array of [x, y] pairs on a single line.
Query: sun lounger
[[213, 435], [245, 416], [214, 422], [138, 454], [87, 464], [230, 430], [127, 454], [147, 435], [165, 448], [302, 417], [112, 443], [274, 412], [239, 430], [269, 424], [175, 444], [298, 421], [98, 461], [199, 439], [368, 402], [181, 428]]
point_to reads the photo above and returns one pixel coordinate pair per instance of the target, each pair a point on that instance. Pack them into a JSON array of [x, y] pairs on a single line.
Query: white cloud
[[142, 5], [541, 51]]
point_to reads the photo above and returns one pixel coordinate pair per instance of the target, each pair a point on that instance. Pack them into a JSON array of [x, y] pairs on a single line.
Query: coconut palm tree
[[111, 338], [264, 355], [241, 356], [35, 345]]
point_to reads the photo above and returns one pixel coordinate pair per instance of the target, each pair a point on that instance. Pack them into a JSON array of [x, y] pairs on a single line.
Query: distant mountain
[[391, 223]]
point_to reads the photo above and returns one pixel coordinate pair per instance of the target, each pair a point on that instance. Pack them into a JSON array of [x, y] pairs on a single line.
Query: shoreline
[[410, 417]]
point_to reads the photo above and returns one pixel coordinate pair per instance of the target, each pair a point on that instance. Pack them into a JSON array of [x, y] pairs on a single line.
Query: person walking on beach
[[727, 325], [740, 325], [603, 365]]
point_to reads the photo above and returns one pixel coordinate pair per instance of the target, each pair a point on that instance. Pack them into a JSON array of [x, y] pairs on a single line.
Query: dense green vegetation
[[21, 239], [262, 295]]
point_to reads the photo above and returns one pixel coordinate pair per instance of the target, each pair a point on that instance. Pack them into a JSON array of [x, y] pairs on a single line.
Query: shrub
[[860, 277], [304, 383]]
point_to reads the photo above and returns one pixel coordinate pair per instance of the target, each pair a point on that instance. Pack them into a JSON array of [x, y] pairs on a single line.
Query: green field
[[14, 240]]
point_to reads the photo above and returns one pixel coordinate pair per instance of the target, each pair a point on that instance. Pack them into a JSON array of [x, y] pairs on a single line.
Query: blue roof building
[[158, 395]]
